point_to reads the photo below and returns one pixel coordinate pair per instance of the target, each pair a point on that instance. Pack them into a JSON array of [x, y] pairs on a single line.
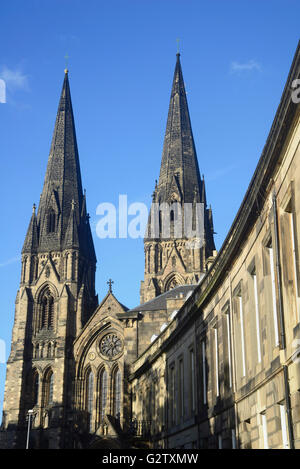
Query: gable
[[104, 317]]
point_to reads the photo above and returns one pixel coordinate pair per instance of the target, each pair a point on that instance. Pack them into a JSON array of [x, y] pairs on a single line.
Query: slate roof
[[160, 302]]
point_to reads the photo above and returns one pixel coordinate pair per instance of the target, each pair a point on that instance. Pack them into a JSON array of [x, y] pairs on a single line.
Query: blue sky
[[235, 56]]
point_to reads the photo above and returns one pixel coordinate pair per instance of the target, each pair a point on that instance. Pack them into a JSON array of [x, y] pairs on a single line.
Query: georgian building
[[209, 358]]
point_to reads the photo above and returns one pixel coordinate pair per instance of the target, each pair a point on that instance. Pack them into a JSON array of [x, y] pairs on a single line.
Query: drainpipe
[[233, 363], [288, 406], [282, 331], [278, 270]]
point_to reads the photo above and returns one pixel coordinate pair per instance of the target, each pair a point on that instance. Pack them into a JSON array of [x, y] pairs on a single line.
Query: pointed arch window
[[158, 257], [117, 394], [50, 312], [35, 388], [50, 400], [149, 259], [48, 388], [89, 397], [46, 310], [34, 268], [24, 269], [160, 254], [51, 221], [172, 282], [103, 393]]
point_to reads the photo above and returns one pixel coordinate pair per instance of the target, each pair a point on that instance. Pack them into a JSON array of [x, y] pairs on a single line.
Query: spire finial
[[33, 209], [66, 59], [109, 283], [178, 53]]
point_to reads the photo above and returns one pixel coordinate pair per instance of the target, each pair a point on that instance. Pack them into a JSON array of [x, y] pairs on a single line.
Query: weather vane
[[178, 40]]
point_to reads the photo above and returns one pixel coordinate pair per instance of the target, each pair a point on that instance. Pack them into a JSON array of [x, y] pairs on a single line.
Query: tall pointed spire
[[177, 257], [179, 154], [62, 183], [57, 286], [61, 228]]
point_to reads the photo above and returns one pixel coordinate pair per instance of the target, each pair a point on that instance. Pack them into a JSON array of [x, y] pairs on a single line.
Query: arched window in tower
[[51, 222], [24, 269], [50, 312], [51, 389], [149, 259], [36, 268], [74, 260], [48, 388], [46, 310], [33, 268], [66, 265], [159, 219], [117, 394], [158, 258], [89, 397], [103, 393], [173, 282], [35, 388]]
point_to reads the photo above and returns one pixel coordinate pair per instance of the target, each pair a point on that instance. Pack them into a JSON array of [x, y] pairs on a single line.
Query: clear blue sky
[[235, 55]]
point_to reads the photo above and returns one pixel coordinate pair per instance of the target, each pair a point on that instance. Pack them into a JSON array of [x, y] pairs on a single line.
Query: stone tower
[[176, 252], [55, 299]]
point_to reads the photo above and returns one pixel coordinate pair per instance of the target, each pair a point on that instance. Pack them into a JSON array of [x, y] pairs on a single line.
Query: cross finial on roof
[[109, 283]]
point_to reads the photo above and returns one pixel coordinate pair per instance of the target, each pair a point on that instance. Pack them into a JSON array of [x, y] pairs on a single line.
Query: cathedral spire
[[62, 183], [178, 255], [179, 154]]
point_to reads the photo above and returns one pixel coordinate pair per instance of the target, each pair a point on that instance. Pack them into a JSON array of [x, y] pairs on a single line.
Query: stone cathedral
[[210, 356], [71, 356]]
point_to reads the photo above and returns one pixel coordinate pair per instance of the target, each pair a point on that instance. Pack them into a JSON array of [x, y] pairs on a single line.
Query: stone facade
[[231, 350], [209, 358]]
